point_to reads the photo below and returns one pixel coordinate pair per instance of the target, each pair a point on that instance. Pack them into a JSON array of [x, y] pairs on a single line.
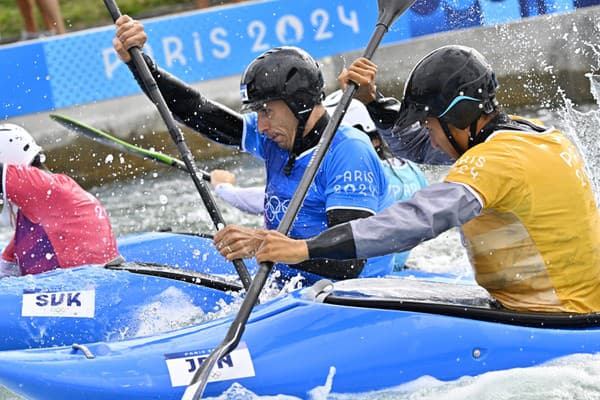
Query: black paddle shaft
[[389, 10], [177, 136]]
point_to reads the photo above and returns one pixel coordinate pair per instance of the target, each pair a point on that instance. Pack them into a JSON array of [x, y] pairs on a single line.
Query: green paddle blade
[[119, 144]]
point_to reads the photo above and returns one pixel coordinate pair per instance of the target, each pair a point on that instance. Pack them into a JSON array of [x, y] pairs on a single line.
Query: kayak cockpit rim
[[397, 295]]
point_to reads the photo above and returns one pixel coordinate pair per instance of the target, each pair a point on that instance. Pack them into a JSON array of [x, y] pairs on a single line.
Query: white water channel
[[168, 200]]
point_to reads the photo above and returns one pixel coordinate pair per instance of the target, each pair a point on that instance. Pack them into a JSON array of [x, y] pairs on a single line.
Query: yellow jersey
[[536, 244]]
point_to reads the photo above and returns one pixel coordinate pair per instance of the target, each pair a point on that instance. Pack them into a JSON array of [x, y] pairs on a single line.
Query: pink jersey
[[58, 225]]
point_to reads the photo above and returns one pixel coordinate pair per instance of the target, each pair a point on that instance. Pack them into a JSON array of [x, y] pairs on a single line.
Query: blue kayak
[[127, 299], [361, 335]]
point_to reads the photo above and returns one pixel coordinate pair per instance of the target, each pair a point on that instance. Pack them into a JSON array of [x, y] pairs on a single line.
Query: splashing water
[[170, 310], [144, 205], [583, 128]]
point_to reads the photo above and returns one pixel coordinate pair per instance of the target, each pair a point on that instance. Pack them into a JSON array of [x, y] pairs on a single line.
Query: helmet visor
[[410, 112], [254, 102], [254, 106]]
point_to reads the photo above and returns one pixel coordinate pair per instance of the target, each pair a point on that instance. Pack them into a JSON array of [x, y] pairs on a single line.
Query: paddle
[[121, 145], [159, 270], [389, 10], [177, 136], [178, 274]]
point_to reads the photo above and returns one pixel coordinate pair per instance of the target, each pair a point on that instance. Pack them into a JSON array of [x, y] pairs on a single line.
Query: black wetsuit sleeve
[[1, 180], [337, 269], [384, 111], [339, 237], [211, 119]]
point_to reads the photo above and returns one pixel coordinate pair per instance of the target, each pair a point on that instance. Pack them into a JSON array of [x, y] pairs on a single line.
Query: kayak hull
[[292, 345], [92, 303]]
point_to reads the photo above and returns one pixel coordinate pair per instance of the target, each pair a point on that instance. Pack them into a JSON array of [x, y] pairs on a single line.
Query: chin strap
[[298, 142], [296, 150], [450, 138], [473, 138], [287, 170], [303, 143]]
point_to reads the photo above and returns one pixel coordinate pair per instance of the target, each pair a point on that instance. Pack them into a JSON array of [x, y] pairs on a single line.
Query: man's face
[[277, 121], [438, 137]]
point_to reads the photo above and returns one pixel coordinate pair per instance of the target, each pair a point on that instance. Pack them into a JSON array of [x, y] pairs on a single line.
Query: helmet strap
[[298, 141], [307, 142], [287, 170], [472, 134], [450, 138]]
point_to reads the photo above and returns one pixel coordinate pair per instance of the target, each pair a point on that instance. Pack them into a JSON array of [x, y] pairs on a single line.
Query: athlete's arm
[[250, 200], [337, 269], [402, 226], [384, 111], [211, 119]]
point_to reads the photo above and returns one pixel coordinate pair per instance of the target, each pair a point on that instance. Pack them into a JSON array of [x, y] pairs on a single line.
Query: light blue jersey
[[405, 179], [350, 176]]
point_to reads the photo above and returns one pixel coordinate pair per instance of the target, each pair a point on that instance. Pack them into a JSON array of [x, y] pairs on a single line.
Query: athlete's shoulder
[[349, 139], [533, 121], [26, 174]]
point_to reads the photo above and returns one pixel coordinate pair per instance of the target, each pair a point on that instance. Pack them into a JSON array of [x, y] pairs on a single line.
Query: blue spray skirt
[[364, 334], [93, 303]]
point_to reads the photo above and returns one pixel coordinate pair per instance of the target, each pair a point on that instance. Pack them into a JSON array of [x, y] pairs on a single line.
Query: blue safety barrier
[[82, 67]]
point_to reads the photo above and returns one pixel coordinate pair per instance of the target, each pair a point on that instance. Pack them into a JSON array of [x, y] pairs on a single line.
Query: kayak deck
[[443, 298]]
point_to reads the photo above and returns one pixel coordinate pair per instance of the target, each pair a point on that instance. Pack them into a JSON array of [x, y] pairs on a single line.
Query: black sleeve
[[1, 180], [336, 269], [339, 236], [384, 111], [211, 119]]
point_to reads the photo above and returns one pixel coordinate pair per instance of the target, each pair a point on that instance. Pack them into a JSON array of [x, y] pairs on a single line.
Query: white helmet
[[356, 114], [17, 146]]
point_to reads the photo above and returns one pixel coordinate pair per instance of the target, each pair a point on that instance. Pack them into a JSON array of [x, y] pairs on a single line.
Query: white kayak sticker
[[80, 303], [183, 365]]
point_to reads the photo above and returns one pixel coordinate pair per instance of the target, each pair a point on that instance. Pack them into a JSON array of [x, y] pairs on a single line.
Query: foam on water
[[170, 310]]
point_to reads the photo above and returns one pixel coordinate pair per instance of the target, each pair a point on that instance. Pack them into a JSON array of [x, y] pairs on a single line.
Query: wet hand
[[276, 247], [234, 242], [130, 33], [362, 72]]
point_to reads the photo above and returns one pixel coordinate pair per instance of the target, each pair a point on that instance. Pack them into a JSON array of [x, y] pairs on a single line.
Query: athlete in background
[[57, 223]]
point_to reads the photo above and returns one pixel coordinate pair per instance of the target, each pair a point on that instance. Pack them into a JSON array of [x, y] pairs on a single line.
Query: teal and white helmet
[[17, 146]]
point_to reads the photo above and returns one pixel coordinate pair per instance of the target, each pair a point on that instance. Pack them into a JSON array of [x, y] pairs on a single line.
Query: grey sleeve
[[400, 227], [250, 199]]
